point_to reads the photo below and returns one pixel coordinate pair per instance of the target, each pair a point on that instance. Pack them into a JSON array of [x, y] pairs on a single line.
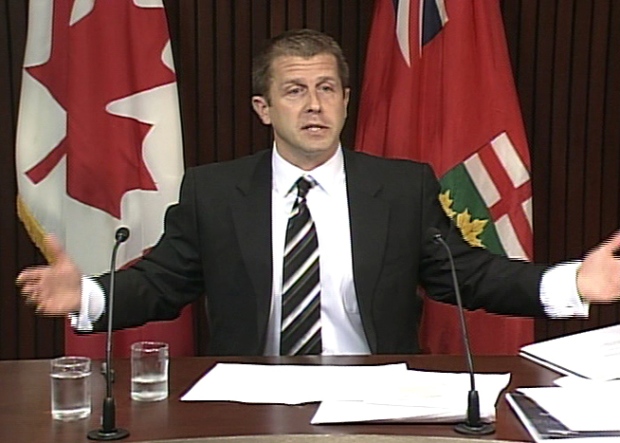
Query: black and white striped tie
[[301, 289]]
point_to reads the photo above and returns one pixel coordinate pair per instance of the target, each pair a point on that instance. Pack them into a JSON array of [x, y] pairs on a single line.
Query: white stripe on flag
[[510, 159], [509, 239], [81, 8], [482, 180], [443, 13], [402, 29], [527, 209]]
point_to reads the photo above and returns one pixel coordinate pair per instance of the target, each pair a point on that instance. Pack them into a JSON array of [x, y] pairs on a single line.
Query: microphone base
[[101, 435], [481, 429]]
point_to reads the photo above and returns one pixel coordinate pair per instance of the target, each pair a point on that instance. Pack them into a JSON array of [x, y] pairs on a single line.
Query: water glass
[[70, 378], [149, 371]]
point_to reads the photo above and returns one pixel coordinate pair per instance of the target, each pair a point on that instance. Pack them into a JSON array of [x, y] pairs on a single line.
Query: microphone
[[108, 430], [472, 425]]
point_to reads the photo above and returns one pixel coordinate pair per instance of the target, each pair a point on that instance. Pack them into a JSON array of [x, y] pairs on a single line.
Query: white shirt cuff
[[558, 292], [91, 307]]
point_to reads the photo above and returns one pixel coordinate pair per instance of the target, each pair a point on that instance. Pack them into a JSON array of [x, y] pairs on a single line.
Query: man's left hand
[[598, 278]]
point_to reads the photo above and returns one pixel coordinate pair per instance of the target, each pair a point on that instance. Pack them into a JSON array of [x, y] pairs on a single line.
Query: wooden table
[[25, 403]]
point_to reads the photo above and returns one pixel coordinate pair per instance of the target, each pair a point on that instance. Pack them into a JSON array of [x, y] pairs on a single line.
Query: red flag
[[99, 140], [438, 88]]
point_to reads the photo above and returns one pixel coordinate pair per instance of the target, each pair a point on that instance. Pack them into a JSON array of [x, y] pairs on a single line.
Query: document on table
[[584, 411], [592, 407], [592, 354], [572, 381], [416, 397], [352, 393], [286, 384]]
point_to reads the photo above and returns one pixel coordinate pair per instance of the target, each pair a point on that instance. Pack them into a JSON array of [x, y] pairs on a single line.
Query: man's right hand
[[54, 289]]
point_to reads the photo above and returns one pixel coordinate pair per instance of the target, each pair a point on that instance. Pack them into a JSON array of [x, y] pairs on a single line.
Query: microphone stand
[[472, 425], [108, 430]]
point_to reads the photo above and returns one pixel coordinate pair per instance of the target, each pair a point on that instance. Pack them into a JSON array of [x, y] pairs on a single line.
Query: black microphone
[[108, 430], [472, 425]]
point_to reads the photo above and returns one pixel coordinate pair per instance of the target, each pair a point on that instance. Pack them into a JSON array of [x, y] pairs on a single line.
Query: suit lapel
[[369, 223], [251, 209]]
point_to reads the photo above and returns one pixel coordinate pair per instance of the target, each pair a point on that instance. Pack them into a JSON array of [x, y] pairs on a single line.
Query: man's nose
[[314, 102]]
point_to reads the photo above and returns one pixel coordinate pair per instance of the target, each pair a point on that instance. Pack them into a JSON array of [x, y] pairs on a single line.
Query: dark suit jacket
[[217, 242]]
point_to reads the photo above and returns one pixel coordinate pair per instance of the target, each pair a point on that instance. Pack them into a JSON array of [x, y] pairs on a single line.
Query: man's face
[[306, 107]]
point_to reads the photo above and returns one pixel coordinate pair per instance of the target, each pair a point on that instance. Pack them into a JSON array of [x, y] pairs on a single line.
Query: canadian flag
[[99, 140], [438, 88]]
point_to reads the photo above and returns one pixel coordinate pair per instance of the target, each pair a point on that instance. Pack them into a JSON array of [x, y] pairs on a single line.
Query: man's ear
[[347, 96], [261, 107]]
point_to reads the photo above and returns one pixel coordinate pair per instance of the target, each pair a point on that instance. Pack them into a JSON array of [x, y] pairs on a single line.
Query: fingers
[[55, 249], [29, 275], [598, 278], [44, 302], [612, 243], [29, 283], [53, 289]]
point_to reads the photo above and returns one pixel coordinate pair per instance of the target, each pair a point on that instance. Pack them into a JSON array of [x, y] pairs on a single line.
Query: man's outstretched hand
[[598, 278], [54, 289]]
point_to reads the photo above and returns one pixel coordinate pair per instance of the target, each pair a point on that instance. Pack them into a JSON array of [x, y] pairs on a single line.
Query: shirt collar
[[328, 175]]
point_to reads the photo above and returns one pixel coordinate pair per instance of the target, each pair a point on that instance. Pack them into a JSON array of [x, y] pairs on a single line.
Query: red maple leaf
[[113, 52]]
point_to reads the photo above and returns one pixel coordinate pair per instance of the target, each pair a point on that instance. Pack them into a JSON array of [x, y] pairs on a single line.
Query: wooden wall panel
[[8, 302], [21, 334], [567, 72], [214, 42]]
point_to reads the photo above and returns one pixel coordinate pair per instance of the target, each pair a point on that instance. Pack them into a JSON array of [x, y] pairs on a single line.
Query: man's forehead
[[285, 64]]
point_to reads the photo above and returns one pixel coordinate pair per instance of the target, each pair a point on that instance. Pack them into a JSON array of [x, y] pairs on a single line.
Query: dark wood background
[[567, 70]]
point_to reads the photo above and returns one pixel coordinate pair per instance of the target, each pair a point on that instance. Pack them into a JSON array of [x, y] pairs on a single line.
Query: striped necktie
[[301, 289]]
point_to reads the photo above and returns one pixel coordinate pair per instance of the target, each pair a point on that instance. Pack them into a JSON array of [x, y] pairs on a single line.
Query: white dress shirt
[[341, 324]]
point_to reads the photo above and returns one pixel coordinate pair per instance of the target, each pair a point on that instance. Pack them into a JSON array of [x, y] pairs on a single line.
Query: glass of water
[[149, 371], [70, 388]]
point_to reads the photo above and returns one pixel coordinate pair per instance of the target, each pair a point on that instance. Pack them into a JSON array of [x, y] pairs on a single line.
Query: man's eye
[[294, 91], [327, 88]]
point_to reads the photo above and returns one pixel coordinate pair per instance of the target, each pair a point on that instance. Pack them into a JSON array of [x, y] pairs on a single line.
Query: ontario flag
[[438, 88], [99, 141]]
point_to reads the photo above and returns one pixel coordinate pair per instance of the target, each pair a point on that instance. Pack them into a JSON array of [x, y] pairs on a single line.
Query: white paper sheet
[[571, 381], [416, 396], [287, 384], [583, 407], [592, 354]]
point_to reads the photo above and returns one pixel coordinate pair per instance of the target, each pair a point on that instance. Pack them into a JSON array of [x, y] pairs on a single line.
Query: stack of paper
[[584, 405], [352, 393], [578, 413], [591, 354], [416, 396]]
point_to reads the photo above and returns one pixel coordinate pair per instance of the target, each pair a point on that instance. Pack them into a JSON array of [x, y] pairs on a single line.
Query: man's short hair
[[304, 43]]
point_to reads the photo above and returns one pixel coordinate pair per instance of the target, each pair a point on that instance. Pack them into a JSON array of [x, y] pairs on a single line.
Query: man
[[371, 218]]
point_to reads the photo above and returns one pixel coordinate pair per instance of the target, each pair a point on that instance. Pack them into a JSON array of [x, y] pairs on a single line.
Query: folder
[[544, 427]]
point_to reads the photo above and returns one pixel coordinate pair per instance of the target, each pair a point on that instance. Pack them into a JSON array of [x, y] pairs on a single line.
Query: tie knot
[[304, 184]]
